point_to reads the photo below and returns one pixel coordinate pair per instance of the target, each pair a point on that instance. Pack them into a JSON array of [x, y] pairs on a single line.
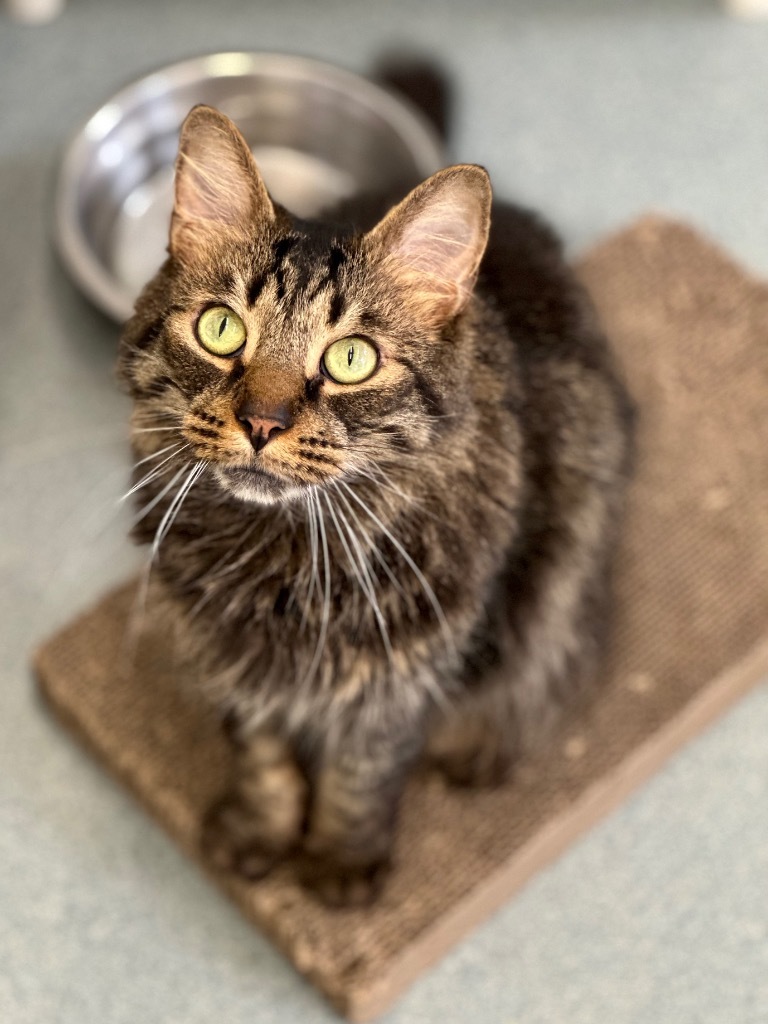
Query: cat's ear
[[433, 241], [218, 187]]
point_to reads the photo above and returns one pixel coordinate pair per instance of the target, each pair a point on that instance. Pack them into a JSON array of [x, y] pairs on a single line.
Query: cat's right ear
[[218, 188], [432, 242]]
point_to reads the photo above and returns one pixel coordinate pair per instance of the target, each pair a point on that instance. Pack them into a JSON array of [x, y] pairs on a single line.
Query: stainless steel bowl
[[319, 134]]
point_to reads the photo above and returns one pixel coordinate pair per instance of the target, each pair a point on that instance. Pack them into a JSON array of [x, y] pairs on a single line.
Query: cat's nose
[[263, 424]]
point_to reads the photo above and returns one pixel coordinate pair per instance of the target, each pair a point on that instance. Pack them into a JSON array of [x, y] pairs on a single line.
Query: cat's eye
[[350, 360], [221, 331]]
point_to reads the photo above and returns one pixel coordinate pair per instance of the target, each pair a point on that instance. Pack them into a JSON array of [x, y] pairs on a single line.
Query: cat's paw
[[477, 770], [471, 750], [343, 885], [230, 840]]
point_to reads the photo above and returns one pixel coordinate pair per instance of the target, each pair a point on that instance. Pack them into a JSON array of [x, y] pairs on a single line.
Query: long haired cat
[[385, 471]]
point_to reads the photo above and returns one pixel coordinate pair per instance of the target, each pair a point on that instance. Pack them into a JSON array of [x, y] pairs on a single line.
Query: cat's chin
[[255, 485]]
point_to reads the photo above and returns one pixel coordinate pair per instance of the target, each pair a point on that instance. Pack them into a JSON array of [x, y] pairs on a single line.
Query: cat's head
[[289, 354]]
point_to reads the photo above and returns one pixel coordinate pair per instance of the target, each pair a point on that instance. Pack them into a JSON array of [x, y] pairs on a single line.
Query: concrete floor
[[593, 111]]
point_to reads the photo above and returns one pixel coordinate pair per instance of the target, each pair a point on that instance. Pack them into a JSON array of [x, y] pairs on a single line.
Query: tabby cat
[[382, 473]]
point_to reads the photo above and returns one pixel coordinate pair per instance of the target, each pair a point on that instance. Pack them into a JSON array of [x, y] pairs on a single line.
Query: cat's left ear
[[218, 188], [432, 242]]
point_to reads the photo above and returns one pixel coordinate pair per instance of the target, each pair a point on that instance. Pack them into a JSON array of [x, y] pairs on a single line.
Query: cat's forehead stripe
[[256, 287], [281, 250], [295, 261], [337, 258], [337, 307]]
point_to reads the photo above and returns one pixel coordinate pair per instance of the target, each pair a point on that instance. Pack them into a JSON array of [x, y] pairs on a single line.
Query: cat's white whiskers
[[326, 612], [439, 697], [138, 606], [158, 497], [153, 430], [383, 480], [363, 574], [350, 558], [432, 598], [155, 414], [154, 455], [155, 472], [173, 509], [152, 419], [374, 548], [314, 581]]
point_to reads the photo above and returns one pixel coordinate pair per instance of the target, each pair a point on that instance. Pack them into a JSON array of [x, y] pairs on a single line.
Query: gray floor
[[592, 111]]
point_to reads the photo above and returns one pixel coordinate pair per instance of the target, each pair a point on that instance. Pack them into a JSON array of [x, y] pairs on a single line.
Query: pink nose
[[263, 425]]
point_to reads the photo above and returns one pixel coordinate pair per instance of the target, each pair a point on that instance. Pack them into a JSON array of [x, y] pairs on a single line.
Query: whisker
[[386, 483], [158, 497], [320, 647], [138, 605], [152, 430], [165, 411], [363, 574], [439, 613], [173, 509], [154, 455], [374, 548], [342, 538], [154, 418], [153, 474], [314, 581]]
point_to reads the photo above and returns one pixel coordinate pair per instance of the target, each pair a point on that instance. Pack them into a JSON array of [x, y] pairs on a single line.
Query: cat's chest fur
[[343, 595]]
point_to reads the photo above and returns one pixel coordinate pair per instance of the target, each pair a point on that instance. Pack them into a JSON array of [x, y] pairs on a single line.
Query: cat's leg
[[260, 820], [476, 742], [355, 799], [514, 707]]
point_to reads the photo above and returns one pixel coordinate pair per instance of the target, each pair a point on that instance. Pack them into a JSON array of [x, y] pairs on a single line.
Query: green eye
[[350, 360], [220, 331]]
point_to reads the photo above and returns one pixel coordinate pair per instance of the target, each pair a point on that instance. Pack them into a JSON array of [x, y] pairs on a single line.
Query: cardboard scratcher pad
[[691, 330]]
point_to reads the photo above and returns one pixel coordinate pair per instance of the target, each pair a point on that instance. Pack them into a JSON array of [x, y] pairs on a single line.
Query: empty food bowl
[[321, 135]]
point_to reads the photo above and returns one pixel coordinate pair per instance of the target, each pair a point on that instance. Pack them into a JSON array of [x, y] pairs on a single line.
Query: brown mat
[[692, 330]]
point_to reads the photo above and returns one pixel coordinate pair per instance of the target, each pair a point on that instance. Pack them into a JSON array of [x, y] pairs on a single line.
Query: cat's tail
[[423, 83]]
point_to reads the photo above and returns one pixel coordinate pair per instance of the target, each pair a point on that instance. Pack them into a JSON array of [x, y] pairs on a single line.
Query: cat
[[383, 477]]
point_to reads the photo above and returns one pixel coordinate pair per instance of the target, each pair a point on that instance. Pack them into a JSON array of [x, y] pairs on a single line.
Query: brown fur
[[423, 564]]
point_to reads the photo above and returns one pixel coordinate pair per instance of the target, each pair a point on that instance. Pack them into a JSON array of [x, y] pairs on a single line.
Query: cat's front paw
[[476, 770], [343, 885], [231, 840]]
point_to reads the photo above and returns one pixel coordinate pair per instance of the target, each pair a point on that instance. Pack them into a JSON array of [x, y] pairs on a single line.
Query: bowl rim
[[88, 272]]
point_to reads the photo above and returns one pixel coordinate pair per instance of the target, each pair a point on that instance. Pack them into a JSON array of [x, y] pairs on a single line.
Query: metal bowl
[[321, 135]]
